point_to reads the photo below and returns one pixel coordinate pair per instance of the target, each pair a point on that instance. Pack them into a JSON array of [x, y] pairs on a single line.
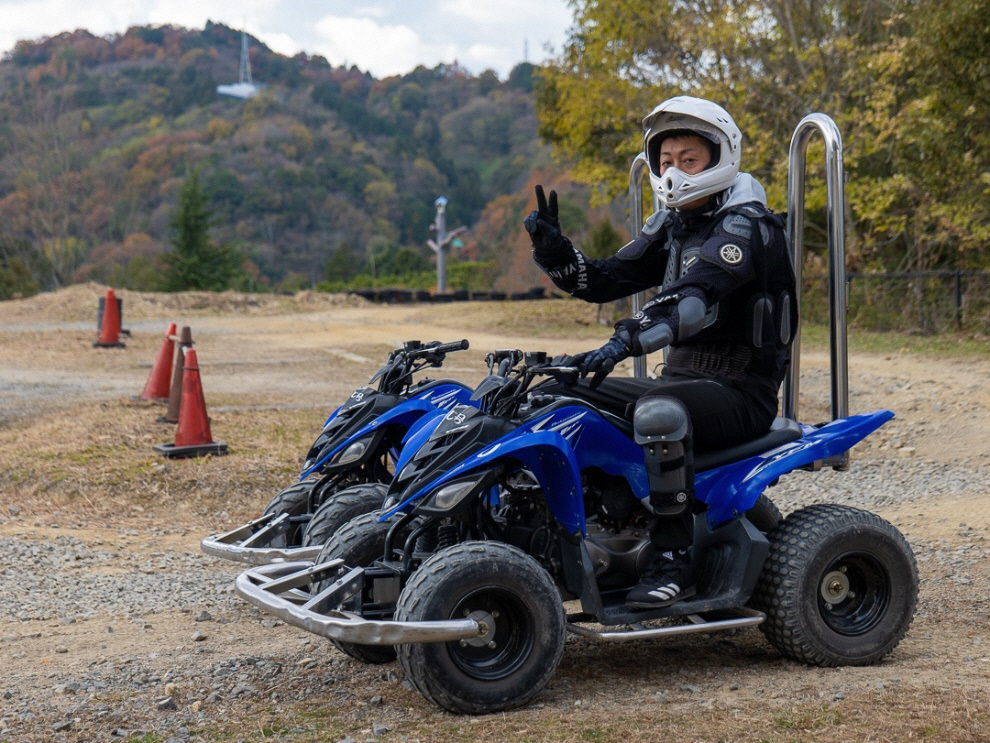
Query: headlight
[[450, 495], [352, 453]]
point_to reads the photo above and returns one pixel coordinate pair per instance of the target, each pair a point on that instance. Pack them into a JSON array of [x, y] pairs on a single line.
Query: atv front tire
[[516, 602], [293, 500], [341, 507], [359, 543]]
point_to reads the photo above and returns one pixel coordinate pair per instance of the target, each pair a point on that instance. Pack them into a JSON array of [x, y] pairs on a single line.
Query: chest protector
[[747, 335]]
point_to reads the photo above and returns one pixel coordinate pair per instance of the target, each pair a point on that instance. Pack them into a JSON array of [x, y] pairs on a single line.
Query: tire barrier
[[406, 296]]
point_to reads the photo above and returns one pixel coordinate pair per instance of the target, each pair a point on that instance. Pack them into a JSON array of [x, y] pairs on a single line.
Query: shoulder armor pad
[[633, 249], [738, 224], [655, 221], [751, 210]]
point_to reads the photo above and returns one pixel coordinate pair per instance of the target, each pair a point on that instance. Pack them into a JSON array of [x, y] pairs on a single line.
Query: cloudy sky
[[383, 37]]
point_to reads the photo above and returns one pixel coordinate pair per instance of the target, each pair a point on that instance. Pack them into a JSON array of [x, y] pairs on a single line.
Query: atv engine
[[610, 501]]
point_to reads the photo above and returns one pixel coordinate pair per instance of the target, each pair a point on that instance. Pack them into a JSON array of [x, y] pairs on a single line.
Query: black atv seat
[[782, 431]]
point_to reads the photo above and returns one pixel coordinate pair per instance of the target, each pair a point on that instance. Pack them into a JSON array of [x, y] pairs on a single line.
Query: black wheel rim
[[507, 641], [853, 593]]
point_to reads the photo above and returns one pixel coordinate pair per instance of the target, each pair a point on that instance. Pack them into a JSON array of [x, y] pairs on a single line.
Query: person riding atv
[[725, 311]]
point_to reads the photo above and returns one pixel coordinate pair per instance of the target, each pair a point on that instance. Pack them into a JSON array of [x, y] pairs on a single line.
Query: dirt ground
[[76, 459]]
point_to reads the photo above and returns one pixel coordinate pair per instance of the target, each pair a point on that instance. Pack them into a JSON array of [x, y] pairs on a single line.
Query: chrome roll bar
[[835, 210], [637, 172]]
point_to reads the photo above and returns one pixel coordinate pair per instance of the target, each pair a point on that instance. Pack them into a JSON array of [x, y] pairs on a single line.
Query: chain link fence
[[928, 302]]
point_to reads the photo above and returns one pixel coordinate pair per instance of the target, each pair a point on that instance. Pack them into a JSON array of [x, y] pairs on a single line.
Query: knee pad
[[661, 424], [660, 418]]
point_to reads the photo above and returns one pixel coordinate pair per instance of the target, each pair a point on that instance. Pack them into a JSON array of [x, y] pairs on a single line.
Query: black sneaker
[[663, 583]]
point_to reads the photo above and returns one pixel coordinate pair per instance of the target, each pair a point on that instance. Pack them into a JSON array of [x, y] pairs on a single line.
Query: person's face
[[688, 154]]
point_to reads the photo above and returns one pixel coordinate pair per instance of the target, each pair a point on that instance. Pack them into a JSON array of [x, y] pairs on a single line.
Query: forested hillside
[[326, 175]]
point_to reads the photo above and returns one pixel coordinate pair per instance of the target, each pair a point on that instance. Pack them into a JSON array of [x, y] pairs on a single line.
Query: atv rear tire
[[839, 587], [764, 514], [341, 507], [511, 595]]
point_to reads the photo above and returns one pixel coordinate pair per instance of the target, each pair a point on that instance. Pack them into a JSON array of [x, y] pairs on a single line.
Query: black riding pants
[[722, 415]]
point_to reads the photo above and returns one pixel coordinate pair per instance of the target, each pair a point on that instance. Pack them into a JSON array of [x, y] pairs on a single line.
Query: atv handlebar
[[414, 356], [511, 374], [461, 345]]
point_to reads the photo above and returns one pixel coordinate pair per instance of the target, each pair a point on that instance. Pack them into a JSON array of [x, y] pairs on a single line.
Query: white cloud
[[281, 43], [384, 37], [376, 48]]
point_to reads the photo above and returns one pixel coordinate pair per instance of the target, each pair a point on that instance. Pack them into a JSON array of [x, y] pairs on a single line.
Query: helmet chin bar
[[707, 120], [675, 188]]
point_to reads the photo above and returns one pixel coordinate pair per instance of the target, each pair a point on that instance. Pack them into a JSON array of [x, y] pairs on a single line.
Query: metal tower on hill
[[244, 87]]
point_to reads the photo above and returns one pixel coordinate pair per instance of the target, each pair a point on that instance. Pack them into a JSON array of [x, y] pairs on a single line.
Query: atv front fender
[[404, 414]]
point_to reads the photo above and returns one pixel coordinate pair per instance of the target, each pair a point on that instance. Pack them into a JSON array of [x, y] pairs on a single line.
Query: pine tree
[[196, 262]]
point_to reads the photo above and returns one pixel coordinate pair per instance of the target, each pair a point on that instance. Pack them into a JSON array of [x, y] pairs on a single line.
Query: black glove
[[601, 362], [566, 361], [550, 247]]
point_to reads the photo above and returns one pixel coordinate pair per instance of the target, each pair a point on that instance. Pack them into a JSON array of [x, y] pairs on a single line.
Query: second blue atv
[[347, 469]]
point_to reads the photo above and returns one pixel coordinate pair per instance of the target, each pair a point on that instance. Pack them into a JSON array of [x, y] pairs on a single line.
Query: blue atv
[[503, 511], [347, 469], [535, 497]]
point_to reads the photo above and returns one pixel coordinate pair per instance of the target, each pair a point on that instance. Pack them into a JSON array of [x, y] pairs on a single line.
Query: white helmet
[[685, 114]]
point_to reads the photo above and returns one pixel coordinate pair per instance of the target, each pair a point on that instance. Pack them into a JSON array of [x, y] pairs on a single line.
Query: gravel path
[[198, 654], [73, 579]]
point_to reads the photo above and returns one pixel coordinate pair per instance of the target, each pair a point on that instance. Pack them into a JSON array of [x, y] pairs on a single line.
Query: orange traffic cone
[[175, 391], [192, 439], [110, 323], [158, 384]]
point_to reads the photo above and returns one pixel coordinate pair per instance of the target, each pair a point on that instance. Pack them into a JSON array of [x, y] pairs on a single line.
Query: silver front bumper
[[284, 590], [258, 542]]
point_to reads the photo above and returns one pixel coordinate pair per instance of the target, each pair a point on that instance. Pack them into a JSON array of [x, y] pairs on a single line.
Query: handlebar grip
[[461, 345]]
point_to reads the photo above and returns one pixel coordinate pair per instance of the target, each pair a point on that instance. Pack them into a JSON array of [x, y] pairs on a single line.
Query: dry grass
[[100, 461]]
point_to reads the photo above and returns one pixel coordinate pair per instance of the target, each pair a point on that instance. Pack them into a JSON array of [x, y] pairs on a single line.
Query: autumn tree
[[924, 140], [905, 80], [17, 273]]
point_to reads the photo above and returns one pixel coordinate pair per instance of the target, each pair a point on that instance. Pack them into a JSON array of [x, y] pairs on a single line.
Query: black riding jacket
[[733, 256]]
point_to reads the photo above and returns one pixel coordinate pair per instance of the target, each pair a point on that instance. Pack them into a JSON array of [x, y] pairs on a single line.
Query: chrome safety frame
[[284, 589], [249, 543]]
